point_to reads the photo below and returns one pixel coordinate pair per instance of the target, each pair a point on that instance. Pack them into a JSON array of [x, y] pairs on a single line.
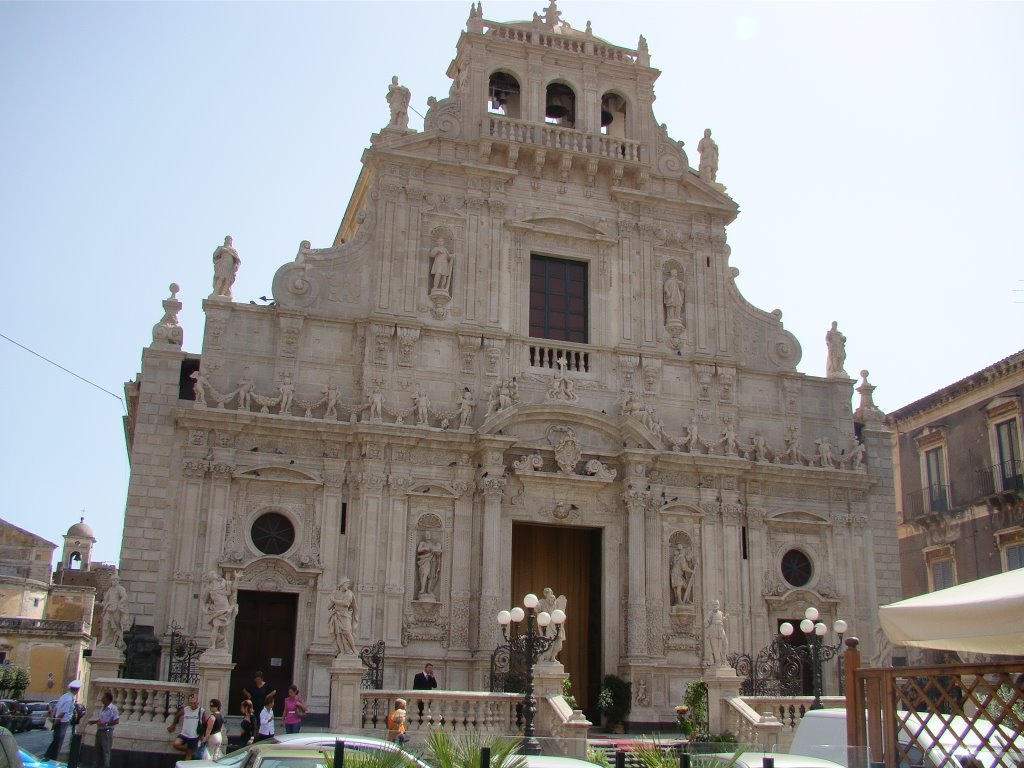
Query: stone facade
[[433, 376], [959, 470]]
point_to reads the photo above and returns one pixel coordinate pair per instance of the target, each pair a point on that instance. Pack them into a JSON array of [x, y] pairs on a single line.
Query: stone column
[[722, 684], [105, 663], [346, 704], [636, 501], [491, 489]]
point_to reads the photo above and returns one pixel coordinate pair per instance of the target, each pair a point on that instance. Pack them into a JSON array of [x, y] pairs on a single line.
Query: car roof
[[756, 760], [551, 761]]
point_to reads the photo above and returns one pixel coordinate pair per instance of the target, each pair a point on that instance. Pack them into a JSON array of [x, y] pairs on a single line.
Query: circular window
[[796, 568], [272, 533]]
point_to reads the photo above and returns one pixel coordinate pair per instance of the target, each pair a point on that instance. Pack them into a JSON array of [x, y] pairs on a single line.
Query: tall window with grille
[[1008, 463], [942, 575], [558, 299], [1014, 555], [935, 473]]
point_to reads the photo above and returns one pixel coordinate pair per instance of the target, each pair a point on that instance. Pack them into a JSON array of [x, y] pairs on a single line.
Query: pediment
[[561, 226], [285, 474], [530, 425], [796, 517]]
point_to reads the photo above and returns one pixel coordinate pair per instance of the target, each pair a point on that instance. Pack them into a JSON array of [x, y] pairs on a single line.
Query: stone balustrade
[[459, 711], [548, 136], [145, 709], [539, 36], [769, 721]]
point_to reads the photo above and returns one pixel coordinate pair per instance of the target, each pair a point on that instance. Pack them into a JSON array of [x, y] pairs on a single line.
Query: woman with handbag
[[294, 710]]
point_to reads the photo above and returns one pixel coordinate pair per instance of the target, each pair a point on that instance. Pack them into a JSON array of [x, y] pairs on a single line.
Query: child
[[266, 719], [396, 723]]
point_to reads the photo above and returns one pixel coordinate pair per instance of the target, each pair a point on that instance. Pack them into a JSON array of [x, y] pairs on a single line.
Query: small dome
[[81, 530]]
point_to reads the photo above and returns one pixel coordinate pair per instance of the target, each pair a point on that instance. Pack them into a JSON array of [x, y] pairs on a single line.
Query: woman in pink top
[[294, 710]]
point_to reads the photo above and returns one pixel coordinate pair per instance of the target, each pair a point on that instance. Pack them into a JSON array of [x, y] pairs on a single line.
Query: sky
[[875, 150]]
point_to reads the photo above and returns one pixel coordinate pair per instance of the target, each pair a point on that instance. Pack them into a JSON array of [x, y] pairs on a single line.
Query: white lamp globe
[[518, 614], [558, 616], [543, 618], [811, 613], [786, 629], [504, 617], [820, 629], [530, 601], [807, 626], [840, 627]]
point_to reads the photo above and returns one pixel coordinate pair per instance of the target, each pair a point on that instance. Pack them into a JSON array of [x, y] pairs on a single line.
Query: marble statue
[[550, 603], [729, 441], [758, 448], [692, 437], [421, 403], [287, 390], [856, 457], [836, 343], [466, 405], [632, 407], [561, 386], [375, 404], [200, 382], [398, 100], [825, 458], [441, 263], [244, 392], [115, 615], [428, 567], [220, 606], [717, 637], [642, 697], [708, 157], [225, 268], [343, 618], [681, 576], [333, 396], [673, 293]]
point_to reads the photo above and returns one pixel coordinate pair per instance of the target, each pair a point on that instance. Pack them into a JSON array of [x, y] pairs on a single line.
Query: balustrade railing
[[489, 713], [571, 44], [556, 137], [143, 701], [548, 357]]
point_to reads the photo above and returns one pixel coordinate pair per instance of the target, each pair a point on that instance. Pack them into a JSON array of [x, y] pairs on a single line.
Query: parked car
[[756, 760], [38, 711], [12, 717], [267, 755], [8, 749], [32, 761], [311, 740]]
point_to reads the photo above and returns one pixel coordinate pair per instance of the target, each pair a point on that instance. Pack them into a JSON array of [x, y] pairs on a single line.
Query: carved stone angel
[[550, 603]]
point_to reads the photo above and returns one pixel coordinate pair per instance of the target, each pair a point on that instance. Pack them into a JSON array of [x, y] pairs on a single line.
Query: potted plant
[[615, 702]]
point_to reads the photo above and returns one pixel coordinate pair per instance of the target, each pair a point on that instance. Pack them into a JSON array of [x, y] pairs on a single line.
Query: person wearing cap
[[62, 714]]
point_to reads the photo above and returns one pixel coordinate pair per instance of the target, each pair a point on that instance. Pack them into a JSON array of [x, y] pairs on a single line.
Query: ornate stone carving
[[167, 331], [468, 347], [568, 451], [532, 463], [225, 269], [407, 338], [493, 348], [835, 341], [595, 468], [652, 374], [726, 383], [705, 373], [382, 334]]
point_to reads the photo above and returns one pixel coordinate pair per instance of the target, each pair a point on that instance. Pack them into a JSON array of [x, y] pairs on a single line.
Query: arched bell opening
[[560, 105], [503, 95], [613, 115]]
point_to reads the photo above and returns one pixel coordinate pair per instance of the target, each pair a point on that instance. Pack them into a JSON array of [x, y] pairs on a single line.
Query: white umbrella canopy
[[983, 616]]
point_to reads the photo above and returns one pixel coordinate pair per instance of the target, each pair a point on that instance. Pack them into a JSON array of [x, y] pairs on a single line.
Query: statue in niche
[[343, 618], [441, 263], [220, 606], [836, 343], [642, 697], [681, 571], [200, 382], [115, 615], [333, 396], [466, 405], [225, 268], [287, 392], [673, 294], [398, 101], [421, 404], [428, 567], [550, 603], [717, 637], [708, 157]]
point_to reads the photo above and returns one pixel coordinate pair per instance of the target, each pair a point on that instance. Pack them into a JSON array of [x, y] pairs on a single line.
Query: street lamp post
[[814, 631], [532, 644]]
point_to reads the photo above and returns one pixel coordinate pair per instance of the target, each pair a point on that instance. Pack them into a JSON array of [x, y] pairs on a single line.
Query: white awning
[[983, 616]]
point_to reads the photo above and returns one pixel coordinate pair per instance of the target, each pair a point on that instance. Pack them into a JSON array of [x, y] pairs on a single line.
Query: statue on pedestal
[[225, 268], [398, 101], [343, 618], [219, 603], [115, 615], [717, 638], [836, 343]]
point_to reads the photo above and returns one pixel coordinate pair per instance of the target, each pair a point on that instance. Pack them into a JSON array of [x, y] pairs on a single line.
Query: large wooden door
[[264, 640], [569, 561]]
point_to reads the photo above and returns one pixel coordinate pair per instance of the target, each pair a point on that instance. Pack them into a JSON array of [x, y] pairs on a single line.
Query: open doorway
[[569, 561], [264, 640]]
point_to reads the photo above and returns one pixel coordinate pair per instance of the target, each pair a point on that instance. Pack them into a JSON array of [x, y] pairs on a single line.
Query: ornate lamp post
[[814, 631], [532, 643]]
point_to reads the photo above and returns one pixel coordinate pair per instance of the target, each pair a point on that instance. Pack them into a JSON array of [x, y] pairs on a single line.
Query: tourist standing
[[266, 729], [294, 710], [105, 722]]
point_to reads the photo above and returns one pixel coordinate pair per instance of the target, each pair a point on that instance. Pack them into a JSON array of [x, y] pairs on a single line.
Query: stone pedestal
[[346, 705], [215, 668], [548, 677], [104, 664], [722, 684]]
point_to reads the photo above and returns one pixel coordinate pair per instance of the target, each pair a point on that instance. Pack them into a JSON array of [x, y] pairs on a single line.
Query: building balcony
[[545, 136], [934, 500], [984, 486]]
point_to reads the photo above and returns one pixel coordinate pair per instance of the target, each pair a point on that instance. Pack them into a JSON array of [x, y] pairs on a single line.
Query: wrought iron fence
[[780, 669], [373, 659]]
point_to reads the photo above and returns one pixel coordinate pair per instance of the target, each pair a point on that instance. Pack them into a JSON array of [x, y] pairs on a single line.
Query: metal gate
[[778, 669], [373, 659], [508, 670]]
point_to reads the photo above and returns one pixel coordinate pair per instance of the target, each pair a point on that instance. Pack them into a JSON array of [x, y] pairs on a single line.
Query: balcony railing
[[1004, 477], [547, 136], [935, 499], [999, 478]]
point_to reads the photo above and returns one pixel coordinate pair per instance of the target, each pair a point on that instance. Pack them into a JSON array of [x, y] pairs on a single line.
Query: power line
[[58, 365]]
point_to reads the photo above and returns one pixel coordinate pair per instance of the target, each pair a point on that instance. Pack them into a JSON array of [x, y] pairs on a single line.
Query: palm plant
[[449, 751], [377, 758], [651, 754]]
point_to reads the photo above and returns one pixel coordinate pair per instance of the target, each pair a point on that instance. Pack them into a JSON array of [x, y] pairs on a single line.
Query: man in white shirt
[[191, 717], [62, 714], [105, 722]]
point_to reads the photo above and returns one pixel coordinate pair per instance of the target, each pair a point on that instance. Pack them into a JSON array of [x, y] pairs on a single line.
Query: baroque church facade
[[523, 363]]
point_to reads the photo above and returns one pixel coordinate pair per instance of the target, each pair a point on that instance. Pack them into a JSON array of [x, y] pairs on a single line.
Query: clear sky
[[876, 151]]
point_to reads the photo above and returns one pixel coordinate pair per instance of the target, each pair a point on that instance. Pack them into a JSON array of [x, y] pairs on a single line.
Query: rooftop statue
[[225, 268], [708, 157], [398, 100]]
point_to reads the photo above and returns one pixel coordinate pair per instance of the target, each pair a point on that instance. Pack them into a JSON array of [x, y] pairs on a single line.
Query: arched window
[[503, 95], [560, 105], [74, 561]]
